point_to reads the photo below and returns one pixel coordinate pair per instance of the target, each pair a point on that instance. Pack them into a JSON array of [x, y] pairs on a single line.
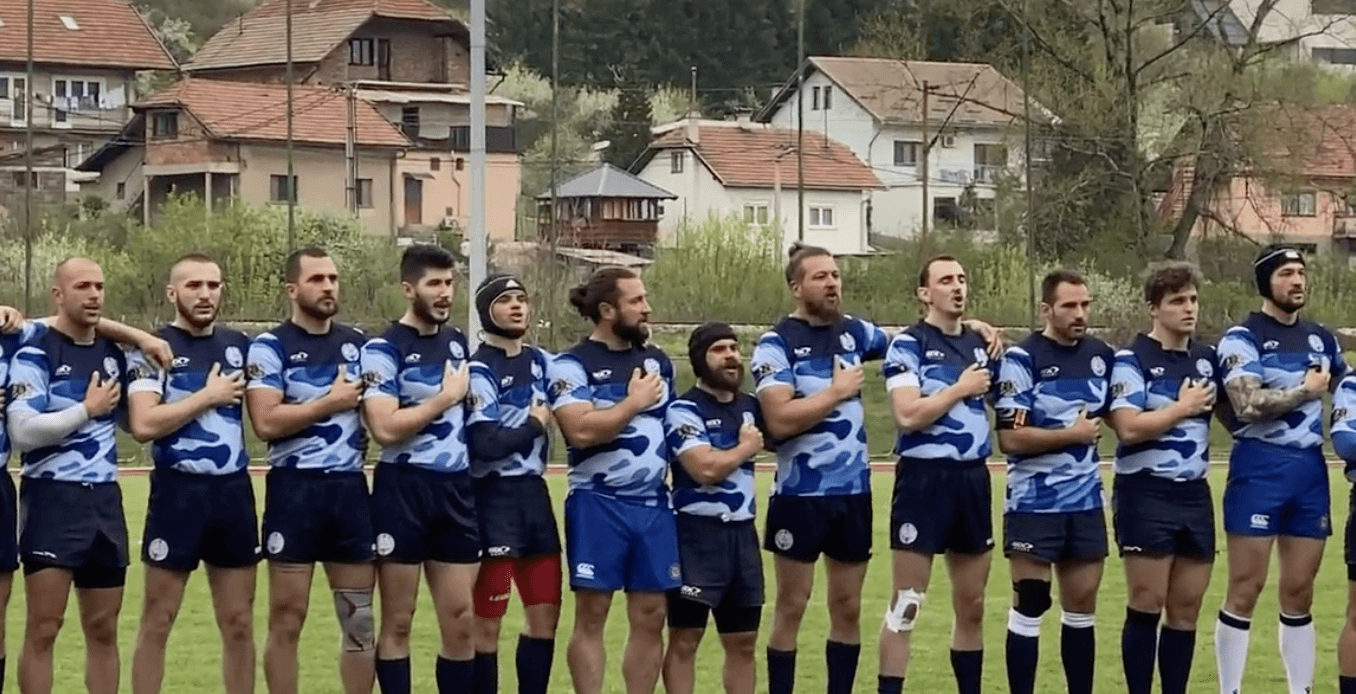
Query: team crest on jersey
[[111, 367], [783, 539], [1315, 343], [1204, 368], [651, 366], [234, 357], [748, 419], [454, 348], [1098, 366], [981, 357], [349, 351], [536, 369], [848, 342]]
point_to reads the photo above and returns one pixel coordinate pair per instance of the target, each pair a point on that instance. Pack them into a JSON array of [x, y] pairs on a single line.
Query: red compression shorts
[[538, 579]]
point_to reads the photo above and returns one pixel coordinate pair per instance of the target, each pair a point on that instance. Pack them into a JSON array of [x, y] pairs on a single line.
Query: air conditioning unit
[[947, 141]]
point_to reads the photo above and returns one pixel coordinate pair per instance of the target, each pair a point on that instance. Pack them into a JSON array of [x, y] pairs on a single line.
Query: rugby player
[[808, 371], [608, 394], [713, 433], [1344, 444], [938, 373], [303, 394], [1277, 366], [201, 506], [507, 420], [1163, 389], [65, 390], [1053, 390], [423, 506]]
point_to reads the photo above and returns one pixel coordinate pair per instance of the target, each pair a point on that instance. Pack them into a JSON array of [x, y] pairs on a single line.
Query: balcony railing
[[1344, 228]]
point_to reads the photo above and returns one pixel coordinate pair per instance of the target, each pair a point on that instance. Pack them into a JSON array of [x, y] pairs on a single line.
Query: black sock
[[393, 676], [1139, 640], [841, 659], [486, 673], [968, 667], [455, 676], [889, 685], [534, 664], [1022, 654], [1175, 648], [1078, 651], [781, 671], [1346, 685]]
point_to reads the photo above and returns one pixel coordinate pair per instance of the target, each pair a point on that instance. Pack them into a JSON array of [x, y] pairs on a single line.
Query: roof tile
[[111, 34], [746, 155]]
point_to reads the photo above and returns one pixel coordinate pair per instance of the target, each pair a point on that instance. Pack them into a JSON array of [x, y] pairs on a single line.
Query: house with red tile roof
[[224, 140], [1301, 189], [748, 169], [86, 54]]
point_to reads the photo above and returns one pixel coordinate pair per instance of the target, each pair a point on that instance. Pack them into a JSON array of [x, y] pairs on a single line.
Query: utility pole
[[350, 145], [923, 168], [800, 123], [291, 175], [554, 229], [694, 108], [28, 171], [477, 230], [1030, 195]]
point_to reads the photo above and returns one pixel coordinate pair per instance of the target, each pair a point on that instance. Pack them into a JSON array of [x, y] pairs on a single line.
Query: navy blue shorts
[[941, 506], [613, 544], [72, 525], [194, 517], [1159, 517], [517, 518], [1277, 490], [803, 527], [316, 516], [9, 525], [721, 562], [424, 515], [1056, 537]]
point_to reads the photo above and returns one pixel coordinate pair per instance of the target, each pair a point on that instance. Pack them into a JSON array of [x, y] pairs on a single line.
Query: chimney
[[744, 115], [694, 127]]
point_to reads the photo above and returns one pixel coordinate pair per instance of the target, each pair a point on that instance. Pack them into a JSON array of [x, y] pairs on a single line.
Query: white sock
[[1231, 651], [1297, 651], [1023, 625]]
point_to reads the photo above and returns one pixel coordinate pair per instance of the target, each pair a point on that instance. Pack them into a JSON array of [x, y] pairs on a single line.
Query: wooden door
[[414, 201]]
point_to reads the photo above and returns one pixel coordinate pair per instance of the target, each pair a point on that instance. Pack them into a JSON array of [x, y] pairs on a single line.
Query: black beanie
[[701, 340], [492, 288], [1272, 257]]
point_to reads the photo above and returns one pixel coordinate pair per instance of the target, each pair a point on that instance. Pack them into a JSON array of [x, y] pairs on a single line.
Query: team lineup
[[661, 502]]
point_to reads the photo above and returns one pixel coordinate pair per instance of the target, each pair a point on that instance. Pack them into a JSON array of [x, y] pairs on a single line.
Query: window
[[76, 153], [945, 210], [12, 94], [821, 217], [19, 179], [74, 95], [814, 99], [627, 209], [828, 98], [755, 213], [361, 52], [435, 164], [277, 188], [121, 194], [1306, 248], [461, 164], [1333, 6], [165, 125], [69, 22], [1299, 204], [906, 153], [990, 160], [1336, 56], [409, 120], [364, 192], [675, 162]]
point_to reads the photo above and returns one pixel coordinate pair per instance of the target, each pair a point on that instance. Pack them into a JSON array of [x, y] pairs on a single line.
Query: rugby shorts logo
[[1316, 343], [1260, 520], [908, 532], [849, 344], [1021, 546], [111, 367], [1204, 368], [499, 551], [349, 351], [783, 539], [691, 592], [583, 570], [1132, 549], [1325, 522], [234, 357], [275, 542], [385, 544], [1098, 366], [675, 571], [157, 550]]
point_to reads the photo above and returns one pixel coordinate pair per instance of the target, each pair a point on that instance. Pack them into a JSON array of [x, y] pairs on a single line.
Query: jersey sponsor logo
[[1098, 366], [506, 382], [350, 351], [908, 533], [179, 362], [802, 351], [651, 366], [1260, 520], [413, 358], [1050, 372], [1315, 343], [714, 423], [500, 551], [1204, 368], [762, 370], [157, 550], [848, 342], [1119, 389], [1156, 371], [691, 592], [276, 542], [385, 544], [583, 570], [934, 355], [299, 356], [63, 370], [234, 357], [602, 374], [783, 539], [455, 349], [1270, 345]]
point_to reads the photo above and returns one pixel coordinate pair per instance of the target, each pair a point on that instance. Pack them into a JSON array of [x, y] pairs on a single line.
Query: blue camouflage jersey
[[409, 367], [503, 390], [1045, 384], [50, 373], [699, 419], [302, 367], [1344, 423], [829, 458], [9, 346], [923, 357], [1147, 377], [214, 443], [632, 465], [1278, 355]]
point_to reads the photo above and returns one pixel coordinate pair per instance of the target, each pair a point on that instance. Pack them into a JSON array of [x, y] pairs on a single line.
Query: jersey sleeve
[[875, 341], [29, 382], [379, 364], [1339, 367], [1016, 389], [264, 365], [145, 376], [567, 383], [1238, 355], [1127, 383], [1344, 419], [666, 373], [903, 361], [684, 427], [771, 365], [482, 404]]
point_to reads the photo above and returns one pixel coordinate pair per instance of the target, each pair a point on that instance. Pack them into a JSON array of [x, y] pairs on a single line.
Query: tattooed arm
[[1253, 403]]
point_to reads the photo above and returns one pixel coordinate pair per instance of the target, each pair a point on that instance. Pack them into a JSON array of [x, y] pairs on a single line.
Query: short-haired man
[[713, 432], [808, 371], [1277, 366], [938, 374], [202, 501], [1163, 389], [303, 394], [608, 394], [1053, 389], [423, 506], [507, 420]]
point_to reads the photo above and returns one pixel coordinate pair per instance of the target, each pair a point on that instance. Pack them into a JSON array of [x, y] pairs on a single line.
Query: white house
[[738, 167], [1320, 30], [875, 107]]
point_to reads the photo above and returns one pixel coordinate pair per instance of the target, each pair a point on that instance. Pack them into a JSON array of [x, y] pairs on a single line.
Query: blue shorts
[[615, 544], [1276, 490]]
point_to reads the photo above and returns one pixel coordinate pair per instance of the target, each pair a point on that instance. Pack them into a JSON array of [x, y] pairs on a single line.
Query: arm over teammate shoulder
[[1344, 423]]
